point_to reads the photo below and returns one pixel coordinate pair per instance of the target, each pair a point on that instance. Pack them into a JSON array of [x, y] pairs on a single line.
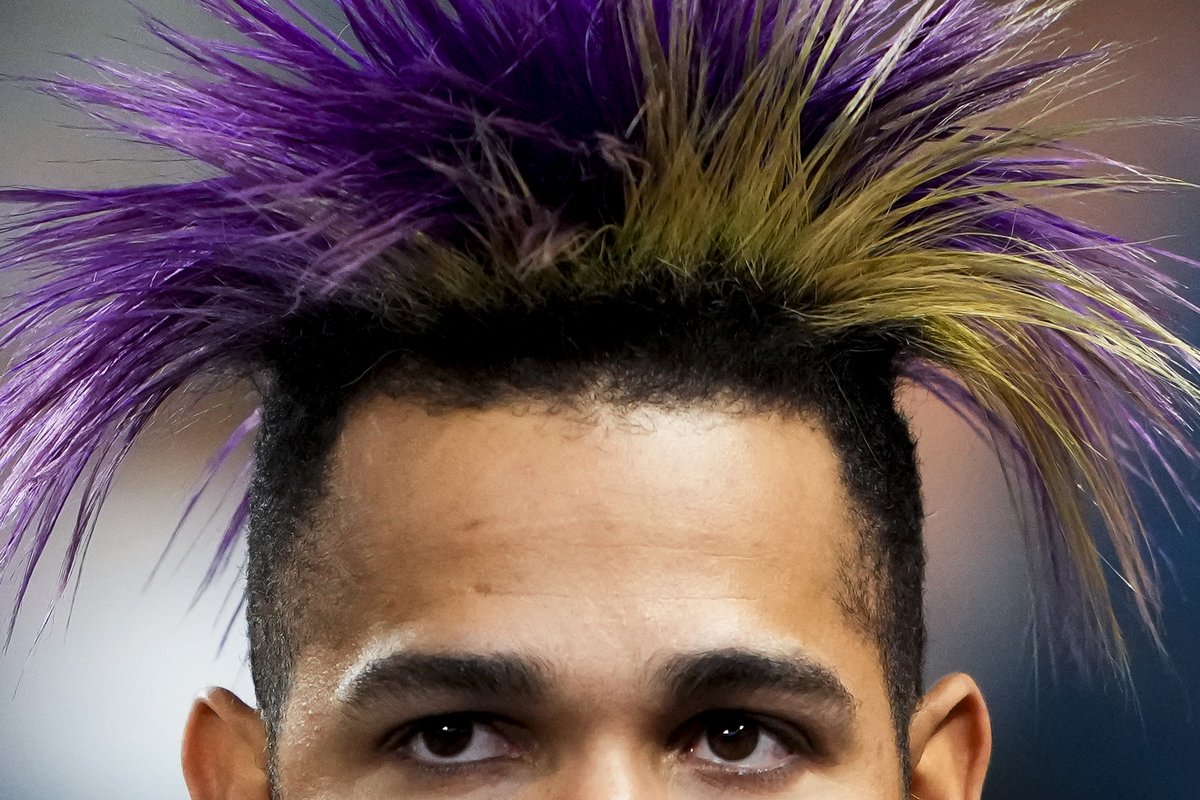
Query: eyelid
[[793, 737], [402, 736], [772, 722], [800, 745]]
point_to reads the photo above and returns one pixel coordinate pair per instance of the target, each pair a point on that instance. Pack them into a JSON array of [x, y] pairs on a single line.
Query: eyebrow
[[687, 678], [472, 674], [723, 672]]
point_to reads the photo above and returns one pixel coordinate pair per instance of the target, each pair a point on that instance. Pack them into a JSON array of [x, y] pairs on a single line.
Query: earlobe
[[950, 742], [225, 749]]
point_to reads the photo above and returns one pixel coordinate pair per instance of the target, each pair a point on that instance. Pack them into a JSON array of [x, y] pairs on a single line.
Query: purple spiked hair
[[457, 150]]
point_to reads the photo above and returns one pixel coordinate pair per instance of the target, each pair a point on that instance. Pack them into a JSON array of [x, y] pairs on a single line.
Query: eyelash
[[683, 740], [405, 735], [793, 737]]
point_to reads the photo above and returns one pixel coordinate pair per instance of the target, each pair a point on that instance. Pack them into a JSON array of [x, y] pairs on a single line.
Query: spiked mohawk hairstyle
[[844, 157]]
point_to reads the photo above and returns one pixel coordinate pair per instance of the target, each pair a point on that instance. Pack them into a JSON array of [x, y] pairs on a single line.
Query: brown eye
[[733, 739], [448, 739], [741, 742], [454, 740]]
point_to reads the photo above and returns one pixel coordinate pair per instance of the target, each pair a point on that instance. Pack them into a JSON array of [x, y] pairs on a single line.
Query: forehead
[[481, 528], [599, 551]]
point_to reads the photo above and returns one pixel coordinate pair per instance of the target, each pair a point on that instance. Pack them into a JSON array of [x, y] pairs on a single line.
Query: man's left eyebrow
[[724, 672]]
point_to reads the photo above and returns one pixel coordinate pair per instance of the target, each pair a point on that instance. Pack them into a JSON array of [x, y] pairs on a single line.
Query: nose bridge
[[611, 767]]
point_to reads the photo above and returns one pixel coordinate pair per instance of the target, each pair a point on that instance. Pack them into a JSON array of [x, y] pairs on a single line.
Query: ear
[[225, 749], [950, 742]]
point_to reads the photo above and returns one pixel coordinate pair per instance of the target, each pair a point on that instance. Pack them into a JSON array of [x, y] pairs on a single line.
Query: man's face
[[640, 605], [520, 604]]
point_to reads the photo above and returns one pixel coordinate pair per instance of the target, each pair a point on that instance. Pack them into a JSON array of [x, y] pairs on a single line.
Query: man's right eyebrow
[[470, 674]]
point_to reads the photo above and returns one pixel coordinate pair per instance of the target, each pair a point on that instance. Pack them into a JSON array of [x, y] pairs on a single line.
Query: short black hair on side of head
[[716, 342]]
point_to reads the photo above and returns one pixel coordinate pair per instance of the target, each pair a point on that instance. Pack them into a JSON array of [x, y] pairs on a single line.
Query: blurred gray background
[[96, 709]]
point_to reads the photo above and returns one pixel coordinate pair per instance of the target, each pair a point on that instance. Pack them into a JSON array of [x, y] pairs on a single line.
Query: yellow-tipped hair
[[845, 156]]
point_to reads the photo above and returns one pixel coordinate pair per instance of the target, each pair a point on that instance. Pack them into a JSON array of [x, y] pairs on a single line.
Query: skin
[[639, 604]]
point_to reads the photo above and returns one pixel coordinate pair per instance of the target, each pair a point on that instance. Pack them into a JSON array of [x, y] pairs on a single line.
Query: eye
[[452, 740], [735, 740]]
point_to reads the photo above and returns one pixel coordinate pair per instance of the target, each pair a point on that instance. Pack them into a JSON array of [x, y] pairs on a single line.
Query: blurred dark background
[[95, 711]]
